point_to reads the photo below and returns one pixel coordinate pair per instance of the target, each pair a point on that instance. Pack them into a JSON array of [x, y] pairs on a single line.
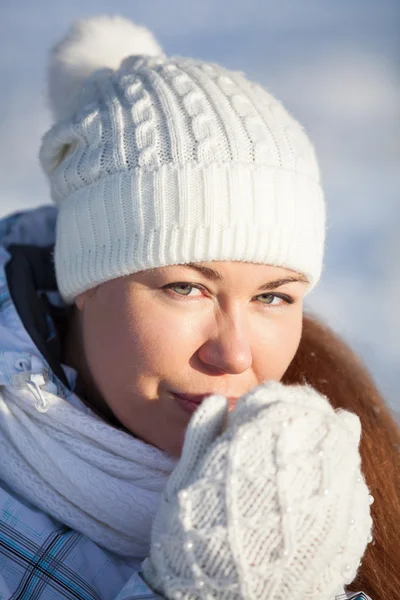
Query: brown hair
[[324, 361]]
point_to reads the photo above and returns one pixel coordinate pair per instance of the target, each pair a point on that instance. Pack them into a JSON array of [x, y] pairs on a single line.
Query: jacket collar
[[31, 281]]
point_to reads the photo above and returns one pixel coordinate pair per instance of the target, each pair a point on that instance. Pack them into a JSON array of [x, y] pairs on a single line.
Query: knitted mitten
[[266, 502]]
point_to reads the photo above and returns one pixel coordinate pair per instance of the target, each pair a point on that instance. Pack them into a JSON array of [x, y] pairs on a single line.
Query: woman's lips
[[191, 402]]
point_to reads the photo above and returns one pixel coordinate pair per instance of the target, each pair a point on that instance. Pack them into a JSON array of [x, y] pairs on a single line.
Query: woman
[[189, 227]]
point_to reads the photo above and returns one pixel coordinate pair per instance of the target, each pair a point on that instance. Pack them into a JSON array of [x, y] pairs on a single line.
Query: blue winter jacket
[[41, 558]]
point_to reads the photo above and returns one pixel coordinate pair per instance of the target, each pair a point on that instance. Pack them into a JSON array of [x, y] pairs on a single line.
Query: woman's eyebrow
[[214, 275]]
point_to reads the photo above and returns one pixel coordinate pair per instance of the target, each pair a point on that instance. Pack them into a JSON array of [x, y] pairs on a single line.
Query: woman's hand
[[267, 501]]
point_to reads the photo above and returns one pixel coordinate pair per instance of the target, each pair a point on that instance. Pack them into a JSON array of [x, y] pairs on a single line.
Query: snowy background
[[335, 64]]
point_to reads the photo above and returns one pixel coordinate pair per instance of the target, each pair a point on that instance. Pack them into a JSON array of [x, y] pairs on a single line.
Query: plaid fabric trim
[[44, 565]]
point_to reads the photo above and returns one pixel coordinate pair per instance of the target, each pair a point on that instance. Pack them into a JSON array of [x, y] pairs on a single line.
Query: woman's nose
[[229, 350]]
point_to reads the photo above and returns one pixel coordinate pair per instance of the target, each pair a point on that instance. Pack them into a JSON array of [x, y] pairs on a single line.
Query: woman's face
[[211, 327]]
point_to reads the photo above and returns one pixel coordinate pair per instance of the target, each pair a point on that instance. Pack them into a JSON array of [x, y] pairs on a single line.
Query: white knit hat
[[157, 161], [273, 508]]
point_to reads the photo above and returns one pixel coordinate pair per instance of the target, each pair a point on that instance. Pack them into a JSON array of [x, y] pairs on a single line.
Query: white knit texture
[[81, 471], [176, 160], [275, 507]]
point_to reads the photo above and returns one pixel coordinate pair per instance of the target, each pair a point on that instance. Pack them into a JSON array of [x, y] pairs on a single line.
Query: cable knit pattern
[[78, 469], [273, 507], [171, 160]]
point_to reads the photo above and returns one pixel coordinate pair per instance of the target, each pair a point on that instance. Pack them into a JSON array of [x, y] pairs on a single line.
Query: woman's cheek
[[152, 343], [277, 347]]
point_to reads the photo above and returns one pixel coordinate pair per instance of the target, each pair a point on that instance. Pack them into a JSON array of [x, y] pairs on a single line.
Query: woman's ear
[[80, 301], [82, 298]]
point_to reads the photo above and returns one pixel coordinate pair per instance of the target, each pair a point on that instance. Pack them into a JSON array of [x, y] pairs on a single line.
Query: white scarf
[[81, 471]]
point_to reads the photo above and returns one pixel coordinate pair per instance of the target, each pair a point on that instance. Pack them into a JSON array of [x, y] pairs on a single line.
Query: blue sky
[[335, 66]]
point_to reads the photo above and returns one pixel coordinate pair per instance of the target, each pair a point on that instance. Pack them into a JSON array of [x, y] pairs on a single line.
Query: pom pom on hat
[[91, 44]]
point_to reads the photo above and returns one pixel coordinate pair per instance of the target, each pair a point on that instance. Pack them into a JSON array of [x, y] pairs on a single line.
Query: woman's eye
[[269, 299], [183, 289]]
